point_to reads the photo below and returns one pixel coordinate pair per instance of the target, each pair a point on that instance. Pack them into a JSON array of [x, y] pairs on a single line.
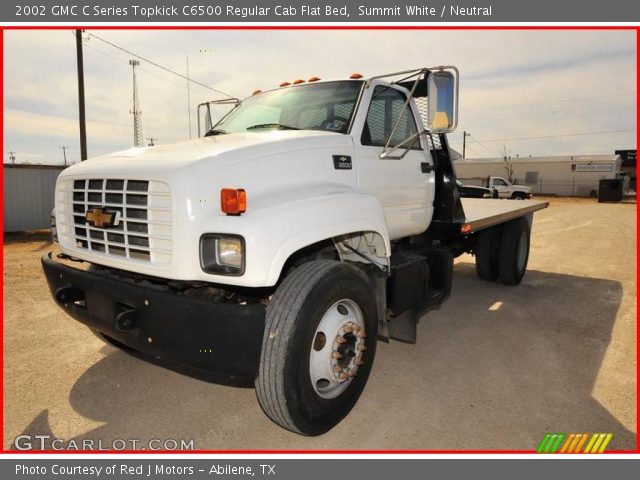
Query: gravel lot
[[495, 368]]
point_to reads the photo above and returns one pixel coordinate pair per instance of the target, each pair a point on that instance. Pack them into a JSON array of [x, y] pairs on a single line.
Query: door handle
[[426, 167]]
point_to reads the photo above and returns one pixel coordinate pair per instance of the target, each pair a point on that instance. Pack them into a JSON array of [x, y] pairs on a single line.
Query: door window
[[384, 111]]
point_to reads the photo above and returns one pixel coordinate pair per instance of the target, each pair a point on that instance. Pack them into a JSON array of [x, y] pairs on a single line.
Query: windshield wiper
[[214, 131], [272, 125]]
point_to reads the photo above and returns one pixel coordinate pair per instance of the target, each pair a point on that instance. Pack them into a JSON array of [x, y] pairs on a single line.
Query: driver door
[[404, 187]]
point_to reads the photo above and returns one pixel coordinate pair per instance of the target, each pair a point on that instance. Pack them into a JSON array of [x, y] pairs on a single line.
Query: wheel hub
[[347, 351], [337, 349]]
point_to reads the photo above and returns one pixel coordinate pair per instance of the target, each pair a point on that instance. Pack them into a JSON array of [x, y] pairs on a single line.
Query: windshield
[[322, 106]]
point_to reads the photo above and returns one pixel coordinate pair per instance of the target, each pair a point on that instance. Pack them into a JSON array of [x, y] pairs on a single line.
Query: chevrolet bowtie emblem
[[100, 217]]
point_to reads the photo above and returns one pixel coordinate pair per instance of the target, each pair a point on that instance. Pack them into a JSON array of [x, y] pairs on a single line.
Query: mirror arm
[[225, 101], [387, 150]]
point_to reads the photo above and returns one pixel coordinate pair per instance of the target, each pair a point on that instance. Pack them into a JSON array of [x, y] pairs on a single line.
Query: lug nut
[[340, 340], [336, 355], [337, 368], [343, 376]]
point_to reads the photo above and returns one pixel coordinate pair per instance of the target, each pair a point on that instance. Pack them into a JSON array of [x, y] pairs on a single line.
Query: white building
[[576, 175]]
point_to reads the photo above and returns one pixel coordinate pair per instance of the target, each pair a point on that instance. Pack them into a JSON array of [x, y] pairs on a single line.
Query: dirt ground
[[495, 368]]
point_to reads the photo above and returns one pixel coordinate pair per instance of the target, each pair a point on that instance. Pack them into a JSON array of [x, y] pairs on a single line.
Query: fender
[[326, 212]]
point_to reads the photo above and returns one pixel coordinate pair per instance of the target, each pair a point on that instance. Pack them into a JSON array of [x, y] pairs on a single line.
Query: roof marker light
[[355, 76], [313, 79], [298, 82], [285, 84]]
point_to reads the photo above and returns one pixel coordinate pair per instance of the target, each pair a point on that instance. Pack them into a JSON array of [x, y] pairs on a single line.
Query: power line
[[556, 136], [162, 67], [484, 146], [547, 102], [121, 61]]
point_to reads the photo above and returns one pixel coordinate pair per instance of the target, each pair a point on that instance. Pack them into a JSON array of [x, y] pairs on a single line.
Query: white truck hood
[[221, 150]]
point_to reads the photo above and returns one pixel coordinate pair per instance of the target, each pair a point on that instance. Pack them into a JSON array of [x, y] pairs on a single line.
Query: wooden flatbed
[[481, 213]]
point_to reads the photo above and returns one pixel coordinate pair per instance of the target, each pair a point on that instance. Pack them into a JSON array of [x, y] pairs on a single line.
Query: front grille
[[142, 209]]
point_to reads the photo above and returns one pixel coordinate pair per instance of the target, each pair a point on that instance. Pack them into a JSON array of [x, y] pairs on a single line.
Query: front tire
[[318, 347]]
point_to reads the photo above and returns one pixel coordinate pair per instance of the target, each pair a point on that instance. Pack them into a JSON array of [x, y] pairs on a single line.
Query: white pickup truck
[[501, 187], [309, 222]]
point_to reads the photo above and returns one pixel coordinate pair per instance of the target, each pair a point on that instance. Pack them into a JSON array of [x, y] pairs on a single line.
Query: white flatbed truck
[[275, 251]]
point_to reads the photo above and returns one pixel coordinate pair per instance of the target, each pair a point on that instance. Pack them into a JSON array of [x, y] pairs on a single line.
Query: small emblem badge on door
[[342, 162]]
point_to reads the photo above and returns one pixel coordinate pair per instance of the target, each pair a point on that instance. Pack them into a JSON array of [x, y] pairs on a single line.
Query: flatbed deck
[[481, 213]]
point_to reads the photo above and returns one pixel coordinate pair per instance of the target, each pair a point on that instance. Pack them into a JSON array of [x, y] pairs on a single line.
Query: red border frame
[[300, 27]]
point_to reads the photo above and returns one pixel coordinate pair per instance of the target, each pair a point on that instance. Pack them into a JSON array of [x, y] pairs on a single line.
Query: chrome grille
[[143, 211]]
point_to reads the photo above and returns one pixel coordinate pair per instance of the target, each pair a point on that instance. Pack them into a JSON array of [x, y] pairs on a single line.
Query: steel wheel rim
[[336, 349], [522, 250]]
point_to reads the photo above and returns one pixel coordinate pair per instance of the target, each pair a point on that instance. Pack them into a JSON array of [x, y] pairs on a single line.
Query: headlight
[[222, 254]]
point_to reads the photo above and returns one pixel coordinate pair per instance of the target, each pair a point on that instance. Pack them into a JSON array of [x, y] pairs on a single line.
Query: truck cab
[[506, 189], [307, 223]]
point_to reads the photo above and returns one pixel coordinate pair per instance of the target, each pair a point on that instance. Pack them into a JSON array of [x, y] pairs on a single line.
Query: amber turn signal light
[[233, 201]]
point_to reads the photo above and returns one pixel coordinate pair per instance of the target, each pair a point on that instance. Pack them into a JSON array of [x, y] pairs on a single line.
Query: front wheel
[[318, 346]]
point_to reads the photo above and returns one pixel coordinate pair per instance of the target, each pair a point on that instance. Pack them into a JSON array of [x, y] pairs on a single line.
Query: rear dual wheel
[[318, 347], [503, 252]]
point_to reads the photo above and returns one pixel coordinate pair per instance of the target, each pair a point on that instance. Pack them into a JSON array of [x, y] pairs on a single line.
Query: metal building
[[28, 192], [576, 175]]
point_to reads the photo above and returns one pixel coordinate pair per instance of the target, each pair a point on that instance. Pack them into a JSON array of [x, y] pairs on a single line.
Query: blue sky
[[514, 84]]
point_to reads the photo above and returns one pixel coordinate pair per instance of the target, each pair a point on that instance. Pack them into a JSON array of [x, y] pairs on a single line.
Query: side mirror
[[442, 110]]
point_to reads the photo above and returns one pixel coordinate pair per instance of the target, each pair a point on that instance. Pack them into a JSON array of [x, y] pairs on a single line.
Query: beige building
[[576, 175]]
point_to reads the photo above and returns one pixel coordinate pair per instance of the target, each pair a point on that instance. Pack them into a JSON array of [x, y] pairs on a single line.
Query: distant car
[[469, 191]]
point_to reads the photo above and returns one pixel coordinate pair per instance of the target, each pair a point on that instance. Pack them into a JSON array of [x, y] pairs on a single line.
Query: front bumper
[[215, 341]]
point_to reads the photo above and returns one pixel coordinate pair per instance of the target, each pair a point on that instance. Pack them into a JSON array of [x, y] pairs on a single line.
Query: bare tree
[[508, 165]]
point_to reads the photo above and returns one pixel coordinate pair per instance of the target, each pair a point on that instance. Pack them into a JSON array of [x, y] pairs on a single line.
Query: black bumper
[[214, 341]]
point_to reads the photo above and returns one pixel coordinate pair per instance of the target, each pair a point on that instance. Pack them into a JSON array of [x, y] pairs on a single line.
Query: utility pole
[[152, 141], [188, 97], [12, 157], [138, 139], [464, 143], [64, 153], [83, 125]]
